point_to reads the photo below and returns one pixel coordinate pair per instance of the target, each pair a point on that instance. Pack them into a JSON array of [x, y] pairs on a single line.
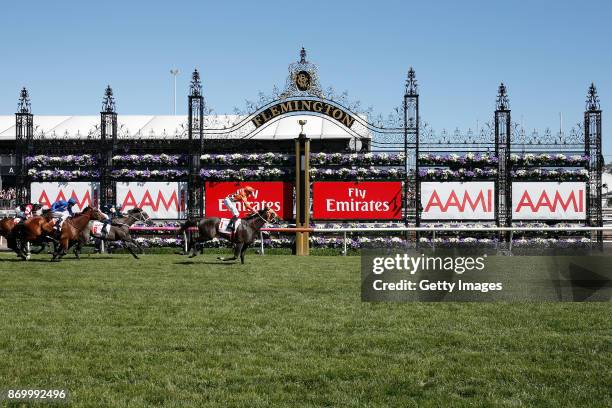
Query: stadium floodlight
[[174, 72]]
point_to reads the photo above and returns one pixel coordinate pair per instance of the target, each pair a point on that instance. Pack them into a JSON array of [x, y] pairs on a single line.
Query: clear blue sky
[[547, 53]]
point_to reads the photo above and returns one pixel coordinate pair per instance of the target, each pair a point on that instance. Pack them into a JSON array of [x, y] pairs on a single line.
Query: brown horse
[[245, 233], [37, 230], [7, 225], [72, 229]]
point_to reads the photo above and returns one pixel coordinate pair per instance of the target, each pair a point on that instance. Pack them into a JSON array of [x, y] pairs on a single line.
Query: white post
[[261, 243], [185, 243], [344, 245], [101, 246]]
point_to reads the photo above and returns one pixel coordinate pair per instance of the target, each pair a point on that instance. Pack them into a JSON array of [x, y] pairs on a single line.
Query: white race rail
[[344, 231]]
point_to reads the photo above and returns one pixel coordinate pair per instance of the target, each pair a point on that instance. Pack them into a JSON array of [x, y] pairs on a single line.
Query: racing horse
[[8, 224], [244, 235], [72, 229], [119, 231], [38, 230]]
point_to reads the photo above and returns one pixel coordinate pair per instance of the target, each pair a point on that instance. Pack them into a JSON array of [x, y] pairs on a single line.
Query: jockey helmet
[[249, 189], [71, 201]]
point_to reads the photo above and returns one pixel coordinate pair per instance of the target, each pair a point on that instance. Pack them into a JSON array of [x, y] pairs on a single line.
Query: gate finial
[[195, 88], [108, 102], [411, 83], [24, 106], [502, 98], [592, 102]]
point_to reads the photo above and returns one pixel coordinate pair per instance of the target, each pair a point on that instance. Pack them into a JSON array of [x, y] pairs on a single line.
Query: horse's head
[[140, 215], [93, 213], [270, 215]]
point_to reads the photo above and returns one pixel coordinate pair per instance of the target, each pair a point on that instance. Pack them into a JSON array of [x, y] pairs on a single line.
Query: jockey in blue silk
[[62, 209]]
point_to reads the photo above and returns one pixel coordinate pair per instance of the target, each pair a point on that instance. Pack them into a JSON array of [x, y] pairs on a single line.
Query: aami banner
[[276, 194], [454, 200], [160, 200], [548, 200], [358, 200], [85, 193]]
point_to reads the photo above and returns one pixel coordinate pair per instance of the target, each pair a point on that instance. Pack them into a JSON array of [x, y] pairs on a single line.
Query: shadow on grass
[[206, 263]]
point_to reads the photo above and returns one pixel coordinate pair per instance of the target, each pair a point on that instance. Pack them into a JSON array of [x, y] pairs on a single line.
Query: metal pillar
[[411, 128], [108, 146], [24, 123], [503, 185], [302, 191], [196, 142], [592, 148]]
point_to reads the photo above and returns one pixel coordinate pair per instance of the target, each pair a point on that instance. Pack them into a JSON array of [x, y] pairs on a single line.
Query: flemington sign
[[303, 105]]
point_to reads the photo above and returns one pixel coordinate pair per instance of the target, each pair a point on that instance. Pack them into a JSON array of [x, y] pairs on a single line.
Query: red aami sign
[[367, 200], [278, 195]]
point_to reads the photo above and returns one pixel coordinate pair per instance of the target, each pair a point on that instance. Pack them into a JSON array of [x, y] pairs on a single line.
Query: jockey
[[62, 209], [241, 195], [110, 211], [24, 211]]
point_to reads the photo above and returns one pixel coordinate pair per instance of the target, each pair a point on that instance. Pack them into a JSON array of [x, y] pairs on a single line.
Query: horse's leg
[[237, 249], [242, 252], [129, 243], [77, 250]]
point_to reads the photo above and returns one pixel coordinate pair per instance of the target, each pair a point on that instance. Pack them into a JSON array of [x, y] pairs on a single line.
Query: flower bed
[[375, 242], [244, 159], [62, 175], [354, 159], [545, 174], [131, 174], [54, 161], [530, 159], [358, 159], [150, 159], [459, 174], [243, 174], [456, 160], [360, 173]]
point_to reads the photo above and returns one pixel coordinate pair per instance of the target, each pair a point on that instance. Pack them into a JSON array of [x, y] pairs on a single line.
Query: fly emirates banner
[[357, 200]]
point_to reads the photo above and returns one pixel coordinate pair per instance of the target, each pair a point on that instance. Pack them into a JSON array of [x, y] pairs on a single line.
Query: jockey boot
[[104, 232], [231, 224]]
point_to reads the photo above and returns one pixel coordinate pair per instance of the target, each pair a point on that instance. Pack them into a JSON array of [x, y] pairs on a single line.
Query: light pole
[[174, 72]]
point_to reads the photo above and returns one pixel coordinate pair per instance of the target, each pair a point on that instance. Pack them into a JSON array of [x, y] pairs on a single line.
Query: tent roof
[[165, 126]]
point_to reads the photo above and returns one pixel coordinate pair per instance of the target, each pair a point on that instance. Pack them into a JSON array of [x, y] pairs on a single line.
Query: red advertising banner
[[276, 194], [358, 200]]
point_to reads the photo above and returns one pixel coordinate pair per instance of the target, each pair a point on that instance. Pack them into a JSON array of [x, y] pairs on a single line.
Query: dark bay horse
[[245, 234], [119, 231], [72, 229]]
